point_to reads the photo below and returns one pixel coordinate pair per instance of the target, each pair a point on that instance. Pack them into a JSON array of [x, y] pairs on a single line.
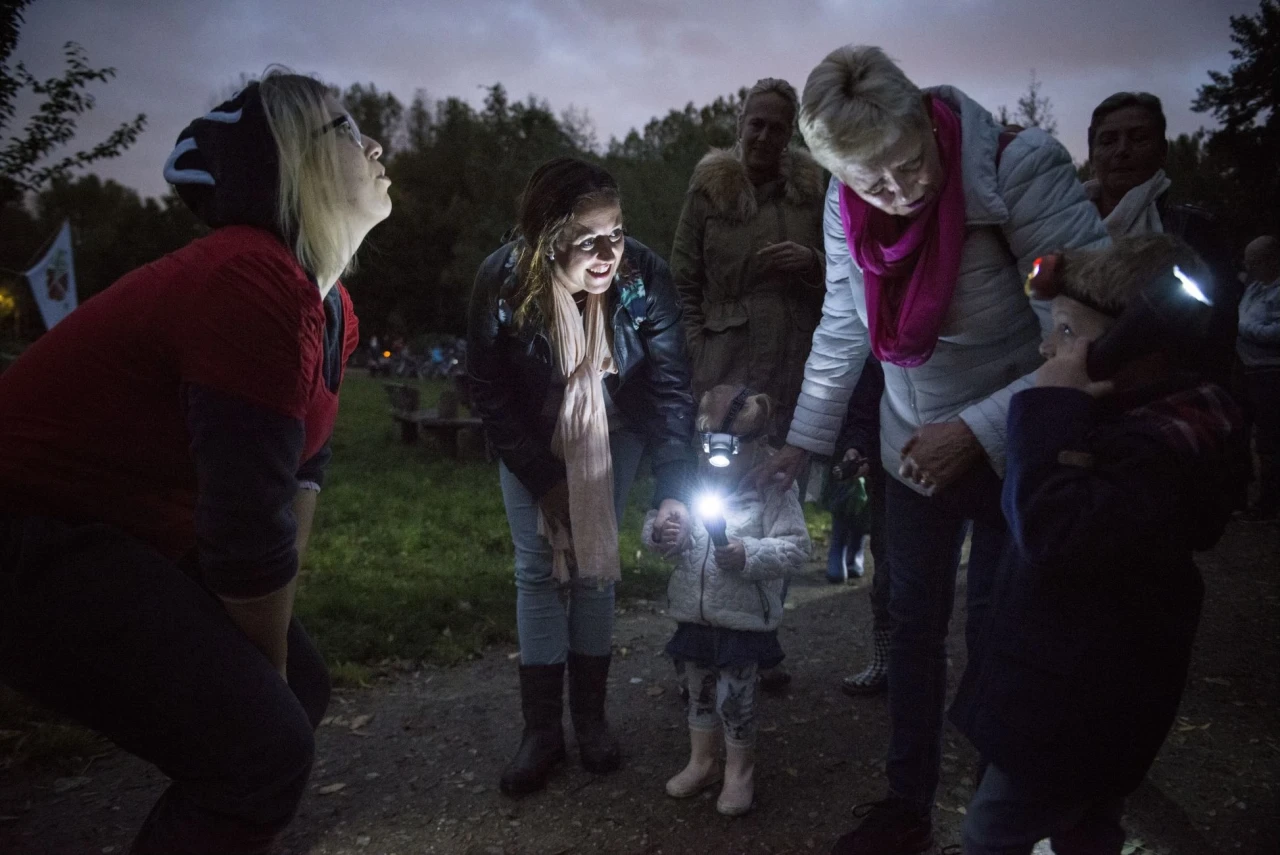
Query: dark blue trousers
[[102, 628], [924, 537]]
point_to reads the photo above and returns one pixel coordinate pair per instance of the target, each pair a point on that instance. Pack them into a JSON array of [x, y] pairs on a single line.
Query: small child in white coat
[[727, 599]]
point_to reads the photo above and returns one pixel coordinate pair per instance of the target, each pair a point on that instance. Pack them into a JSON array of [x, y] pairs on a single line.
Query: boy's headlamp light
[[1190, 287], [719, 447], [1171, 314]]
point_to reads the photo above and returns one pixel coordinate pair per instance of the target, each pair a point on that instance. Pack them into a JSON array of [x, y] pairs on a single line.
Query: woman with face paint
[[161, 450], [577, 364]]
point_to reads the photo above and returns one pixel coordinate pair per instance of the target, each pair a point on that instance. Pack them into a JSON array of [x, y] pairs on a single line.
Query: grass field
[[410, 560], [410, 557]]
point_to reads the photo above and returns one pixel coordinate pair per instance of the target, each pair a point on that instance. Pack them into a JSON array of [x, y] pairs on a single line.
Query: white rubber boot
[[738, 792], [702, 771]]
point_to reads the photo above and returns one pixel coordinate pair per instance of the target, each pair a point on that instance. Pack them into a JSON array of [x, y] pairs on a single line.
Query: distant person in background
[[748, 263], [858, 450], [1258, 345], [576, 364], [1127, 152], [747, 257], [161, 451]]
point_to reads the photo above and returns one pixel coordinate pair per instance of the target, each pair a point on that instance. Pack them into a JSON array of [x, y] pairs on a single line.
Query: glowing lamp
[[1171, 314]]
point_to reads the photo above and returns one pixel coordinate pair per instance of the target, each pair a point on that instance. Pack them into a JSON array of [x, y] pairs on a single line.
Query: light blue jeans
[[554, 618]]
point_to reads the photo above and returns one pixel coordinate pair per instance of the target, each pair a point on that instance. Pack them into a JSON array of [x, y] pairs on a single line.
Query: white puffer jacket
[[772, 531], [989, 342]]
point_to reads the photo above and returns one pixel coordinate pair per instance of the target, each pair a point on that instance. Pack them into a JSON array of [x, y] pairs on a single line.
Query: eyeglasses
[[343, 124]]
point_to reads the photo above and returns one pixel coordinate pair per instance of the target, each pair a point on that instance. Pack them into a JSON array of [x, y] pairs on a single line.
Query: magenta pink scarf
[[910, 274]]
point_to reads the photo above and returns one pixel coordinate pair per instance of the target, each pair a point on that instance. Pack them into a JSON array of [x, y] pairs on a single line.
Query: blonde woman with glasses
[[161, 451]]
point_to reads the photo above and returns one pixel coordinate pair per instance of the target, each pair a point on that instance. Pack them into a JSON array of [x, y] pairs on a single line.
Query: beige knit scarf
[[581, 440]]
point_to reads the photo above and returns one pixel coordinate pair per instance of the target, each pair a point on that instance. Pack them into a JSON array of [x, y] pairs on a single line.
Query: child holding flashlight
[[726, 593], [1115, 476]]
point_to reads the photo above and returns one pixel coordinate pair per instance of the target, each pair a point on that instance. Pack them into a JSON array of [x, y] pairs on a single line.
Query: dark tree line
[[457, 171]]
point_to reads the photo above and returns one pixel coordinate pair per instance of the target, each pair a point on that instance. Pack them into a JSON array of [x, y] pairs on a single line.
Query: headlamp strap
[[735, 407]]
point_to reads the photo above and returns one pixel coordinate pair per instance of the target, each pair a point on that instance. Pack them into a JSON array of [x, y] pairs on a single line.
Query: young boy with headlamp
[[1112, 483]]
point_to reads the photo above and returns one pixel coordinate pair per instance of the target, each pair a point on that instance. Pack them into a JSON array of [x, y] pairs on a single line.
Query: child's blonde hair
[[751, 421], [1107, 279]]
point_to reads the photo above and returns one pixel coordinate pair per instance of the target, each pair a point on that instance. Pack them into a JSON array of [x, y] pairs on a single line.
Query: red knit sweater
[[92, 424]]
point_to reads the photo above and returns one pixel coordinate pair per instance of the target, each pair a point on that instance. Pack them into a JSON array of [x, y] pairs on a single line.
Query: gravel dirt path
[[410, 765]]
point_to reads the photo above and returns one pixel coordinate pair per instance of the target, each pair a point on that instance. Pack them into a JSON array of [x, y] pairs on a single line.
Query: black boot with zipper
[[542, 745], [597, 746]]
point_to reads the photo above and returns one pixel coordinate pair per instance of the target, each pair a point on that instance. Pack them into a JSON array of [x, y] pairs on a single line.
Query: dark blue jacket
[[862, 420], [1078, 674], [515, 390]]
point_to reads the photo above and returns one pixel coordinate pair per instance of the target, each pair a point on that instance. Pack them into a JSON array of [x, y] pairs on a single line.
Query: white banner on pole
[[53, 280]]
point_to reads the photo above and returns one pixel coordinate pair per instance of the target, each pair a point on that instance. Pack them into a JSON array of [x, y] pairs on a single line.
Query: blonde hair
[[310, 196], [856, 104], [753, 420]]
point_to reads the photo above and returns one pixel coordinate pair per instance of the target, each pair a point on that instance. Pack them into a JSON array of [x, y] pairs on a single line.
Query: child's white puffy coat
[[773, 533]]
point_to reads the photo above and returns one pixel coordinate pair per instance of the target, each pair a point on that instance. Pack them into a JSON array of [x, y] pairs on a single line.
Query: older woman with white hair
[[934, 216]]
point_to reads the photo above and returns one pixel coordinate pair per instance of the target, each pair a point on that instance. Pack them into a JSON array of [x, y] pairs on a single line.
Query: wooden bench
[[441, 423]]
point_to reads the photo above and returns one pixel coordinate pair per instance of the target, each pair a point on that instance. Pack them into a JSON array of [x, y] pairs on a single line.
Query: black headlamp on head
[[720, 446], [1172, 313]]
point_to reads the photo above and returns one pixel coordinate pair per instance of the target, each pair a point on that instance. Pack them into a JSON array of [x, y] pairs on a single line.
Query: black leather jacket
[[515, 390]]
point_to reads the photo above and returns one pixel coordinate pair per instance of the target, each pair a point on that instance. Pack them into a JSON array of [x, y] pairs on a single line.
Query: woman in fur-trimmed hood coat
[[747, 323]]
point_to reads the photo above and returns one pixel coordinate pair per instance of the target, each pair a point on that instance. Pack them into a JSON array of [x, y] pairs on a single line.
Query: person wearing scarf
[[161, 450], [576, 358], [934, 216], [1127, 155]]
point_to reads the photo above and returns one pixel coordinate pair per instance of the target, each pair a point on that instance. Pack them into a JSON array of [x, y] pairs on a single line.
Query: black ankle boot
[[596, 745], [542, 745]]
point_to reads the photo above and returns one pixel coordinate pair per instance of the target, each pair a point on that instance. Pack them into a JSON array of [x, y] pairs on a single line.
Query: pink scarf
[[911, 274]]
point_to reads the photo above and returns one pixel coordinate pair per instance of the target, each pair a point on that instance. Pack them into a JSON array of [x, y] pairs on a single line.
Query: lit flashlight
[[710, 508]]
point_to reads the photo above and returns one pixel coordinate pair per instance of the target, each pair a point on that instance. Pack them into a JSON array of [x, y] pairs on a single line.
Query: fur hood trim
[[721, 176]]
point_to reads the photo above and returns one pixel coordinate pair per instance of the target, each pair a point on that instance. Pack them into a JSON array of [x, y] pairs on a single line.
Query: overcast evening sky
[[623, 61]]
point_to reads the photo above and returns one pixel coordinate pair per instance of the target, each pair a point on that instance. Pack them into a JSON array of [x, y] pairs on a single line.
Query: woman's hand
[[786, 257], [554, 505], [672, 527], [780, 470], [1068, 369], [937, 454], [732, 556]]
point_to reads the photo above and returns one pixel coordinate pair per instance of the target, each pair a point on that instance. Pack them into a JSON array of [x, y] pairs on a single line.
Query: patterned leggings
[[723, 696]]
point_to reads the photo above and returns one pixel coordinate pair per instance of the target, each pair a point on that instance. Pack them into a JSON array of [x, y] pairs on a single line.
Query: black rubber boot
[[596, 745], [542, 745]]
